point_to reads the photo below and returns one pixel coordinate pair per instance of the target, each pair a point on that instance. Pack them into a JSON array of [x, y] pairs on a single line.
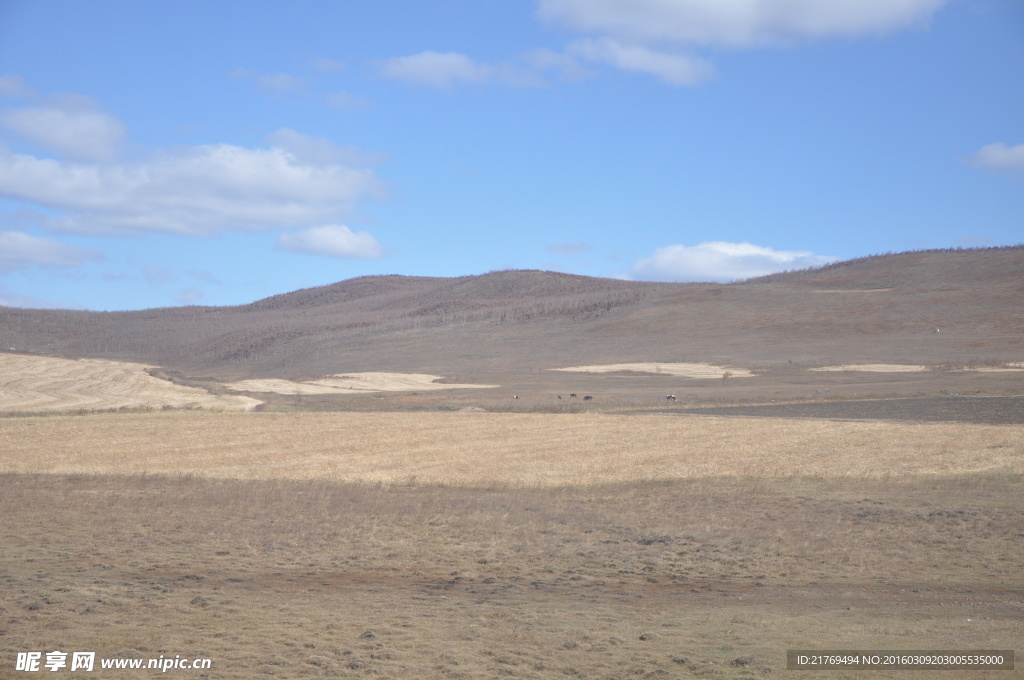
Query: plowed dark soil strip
[[981, 410]]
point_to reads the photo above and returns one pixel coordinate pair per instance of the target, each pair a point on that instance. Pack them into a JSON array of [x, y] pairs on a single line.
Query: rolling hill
[[881, 308]]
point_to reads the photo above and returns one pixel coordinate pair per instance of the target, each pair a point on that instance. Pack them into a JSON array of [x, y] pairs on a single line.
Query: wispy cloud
[[720, 261], [325, 65], [156, 276], [736, 24], [437, 69], [71, 126], [346, 101], [675, 69], [204, 276], [321, 151], [275, 83], [333, 241], [189, 296], [12, 87], [568, 67], [195, 190], [12, 299], [1000, 157], [659, 37], [19, 250]]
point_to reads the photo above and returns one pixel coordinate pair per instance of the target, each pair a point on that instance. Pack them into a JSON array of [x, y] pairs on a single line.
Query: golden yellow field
[[498, 448], [35, 383], [352, 382]]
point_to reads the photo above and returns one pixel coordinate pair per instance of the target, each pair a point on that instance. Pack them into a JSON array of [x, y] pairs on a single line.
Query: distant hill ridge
[[526, 320], [499, 286], [890, 263]]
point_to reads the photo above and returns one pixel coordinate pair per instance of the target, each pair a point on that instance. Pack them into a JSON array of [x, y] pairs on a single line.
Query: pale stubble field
[[473, 449], [480, 545]]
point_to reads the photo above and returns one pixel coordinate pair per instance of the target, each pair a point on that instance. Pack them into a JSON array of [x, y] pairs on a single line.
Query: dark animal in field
[[587, 398], [572, 396], [671, 397], [559, 396], [515, 396]]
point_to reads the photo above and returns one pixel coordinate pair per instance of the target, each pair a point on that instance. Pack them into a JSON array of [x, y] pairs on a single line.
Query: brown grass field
[[482, 545], [513, 449]]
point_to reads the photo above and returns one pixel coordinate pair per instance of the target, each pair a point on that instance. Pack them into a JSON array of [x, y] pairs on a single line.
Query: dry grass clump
[[523, 449], [35, 383]]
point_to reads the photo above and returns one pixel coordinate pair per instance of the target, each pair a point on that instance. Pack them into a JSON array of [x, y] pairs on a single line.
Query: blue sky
[[158, 154]]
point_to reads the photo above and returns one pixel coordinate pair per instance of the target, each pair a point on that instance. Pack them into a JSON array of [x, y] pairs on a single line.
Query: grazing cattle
[[515, 396], [936, 330], [587, 398], [572, 396], [559, 396], [671, 397]]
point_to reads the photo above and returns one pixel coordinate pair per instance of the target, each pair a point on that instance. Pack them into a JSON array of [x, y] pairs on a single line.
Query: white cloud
[[196, 190], [333, 241], [19, 250], [672, 68], [12, 87], [71, 127], [279, 82], [155, 275], [204, 276], [721, 261], [567, 66], [275, 83], [999, 156], [12, 299], [189, 296], [319, 150], [736, 23], [437, 69], [327, 65], [345, 101]]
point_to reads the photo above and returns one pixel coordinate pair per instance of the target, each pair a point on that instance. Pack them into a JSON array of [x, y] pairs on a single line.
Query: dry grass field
[[34, 383], [710, 578], [474, 449], [481, 545]]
